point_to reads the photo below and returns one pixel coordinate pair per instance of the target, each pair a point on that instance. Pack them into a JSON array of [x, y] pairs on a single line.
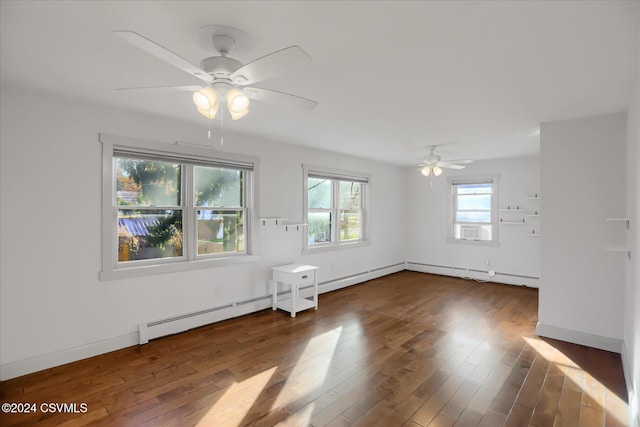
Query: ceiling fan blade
[[270, 65], [162, 88], [279, 98], [163, 53], [459, 162], [447, 166]]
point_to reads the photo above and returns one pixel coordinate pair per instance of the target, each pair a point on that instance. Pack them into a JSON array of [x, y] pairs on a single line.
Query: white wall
[[427, 224], [583, 183], [631, 349], [53, 308]]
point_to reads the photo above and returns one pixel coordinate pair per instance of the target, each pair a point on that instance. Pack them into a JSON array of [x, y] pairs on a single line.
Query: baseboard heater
[[173, 325], [433, 268]]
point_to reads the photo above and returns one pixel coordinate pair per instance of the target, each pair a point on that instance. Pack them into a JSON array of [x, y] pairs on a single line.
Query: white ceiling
[[390, 77]]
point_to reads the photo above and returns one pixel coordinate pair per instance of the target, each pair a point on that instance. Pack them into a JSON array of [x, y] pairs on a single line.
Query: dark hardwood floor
[[408, 349]]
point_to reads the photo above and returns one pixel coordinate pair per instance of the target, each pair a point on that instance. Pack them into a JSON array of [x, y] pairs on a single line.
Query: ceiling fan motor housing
[[220, 67]]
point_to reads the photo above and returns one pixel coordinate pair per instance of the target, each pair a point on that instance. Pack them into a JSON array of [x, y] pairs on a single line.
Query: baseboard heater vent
[[508, 278], [342, 282], [400, 264], [173, 325]]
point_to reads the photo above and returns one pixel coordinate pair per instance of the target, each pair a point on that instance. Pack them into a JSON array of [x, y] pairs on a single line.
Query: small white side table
[[295, 275]]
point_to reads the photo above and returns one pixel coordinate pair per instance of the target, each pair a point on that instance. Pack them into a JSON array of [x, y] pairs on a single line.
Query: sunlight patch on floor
[[237, 400], [311, 369], [596, 392]]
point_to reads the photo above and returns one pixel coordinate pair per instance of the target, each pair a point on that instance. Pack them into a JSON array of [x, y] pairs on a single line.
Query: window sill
[[175, 267], [331, 247]]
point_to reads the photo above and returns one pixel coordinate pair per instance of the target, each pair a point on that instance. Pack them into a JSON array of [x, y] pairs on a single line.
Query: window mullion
[[189, 219], [335, 207]]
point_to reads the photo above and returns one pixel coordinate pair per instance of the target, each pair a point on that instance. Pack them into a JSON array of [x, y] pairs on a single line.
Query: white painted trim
[[175, 267], [495, 213], [189, 261], [336, 284], [480, 275], [57, 358], [240, 308], [187, 321], [631, 393], [336, 174], [577, 337]]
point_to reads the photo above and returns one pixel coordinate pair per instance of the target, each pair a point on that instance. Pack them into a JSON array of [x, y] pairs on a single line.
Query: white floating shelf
[[512, 222], [297, 226], [615, 248], [534, 234], [272, 219], [624, 249], [532, 215], [512, 210], [626, 221], [280, 222], [536, 197]]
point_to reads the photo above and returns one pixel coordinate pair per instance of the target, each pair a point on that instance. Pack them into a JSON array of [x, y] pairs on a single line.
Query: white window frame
[[452, 206], [336, 175], [194, 156]]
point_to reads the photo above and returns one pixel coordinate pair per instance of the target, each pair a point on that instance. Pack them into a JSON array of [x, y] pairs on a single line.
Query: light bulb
[[437, 170], [426, 171], [237, 102], [205, 98]]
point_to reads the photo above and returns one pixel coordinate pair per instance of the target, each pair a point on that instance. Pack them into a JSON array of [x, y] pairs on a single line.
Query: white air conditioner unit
[[471, 232]]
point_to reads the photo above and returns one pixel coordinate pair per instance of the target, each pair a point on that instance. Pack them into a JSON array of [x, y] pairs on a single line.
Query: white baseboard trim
[[190, 321], [590, 340], [50, 360], [634, 411], [481, 275], [344, 282]]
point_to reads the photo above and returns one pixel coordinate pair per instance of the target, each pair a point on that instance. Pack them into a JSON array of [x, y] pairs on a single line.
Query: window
[[170, 211], [334, 208], [474, 210]]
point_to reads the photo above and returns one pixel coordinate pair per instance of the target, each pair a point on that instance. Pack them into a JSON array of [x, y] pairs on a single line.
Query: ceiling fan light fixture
[[237, 102], [209, 113], [205, 98], [426, 171], [236, 116], [437, 170]]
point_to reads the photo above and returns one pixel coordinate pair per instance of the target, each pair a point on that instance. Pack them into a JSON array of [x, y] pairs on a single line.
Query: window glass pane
[[147, 182], [319, 227], [319, 193], [350, 195], [220, 232], [475, 202], [217, 187], [474, 216], [149, 234], [474, 188], [349, 225]]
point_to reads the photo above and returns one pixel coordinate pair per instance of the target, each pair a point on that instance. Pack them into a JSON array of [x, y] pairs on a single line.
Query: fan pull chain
[[222, 127], [209, 131]]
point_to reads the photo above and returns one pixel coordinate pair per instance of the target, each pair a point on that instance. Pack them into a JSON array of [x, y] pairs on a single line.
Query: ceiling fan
[[225, 78], [433, 163]]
